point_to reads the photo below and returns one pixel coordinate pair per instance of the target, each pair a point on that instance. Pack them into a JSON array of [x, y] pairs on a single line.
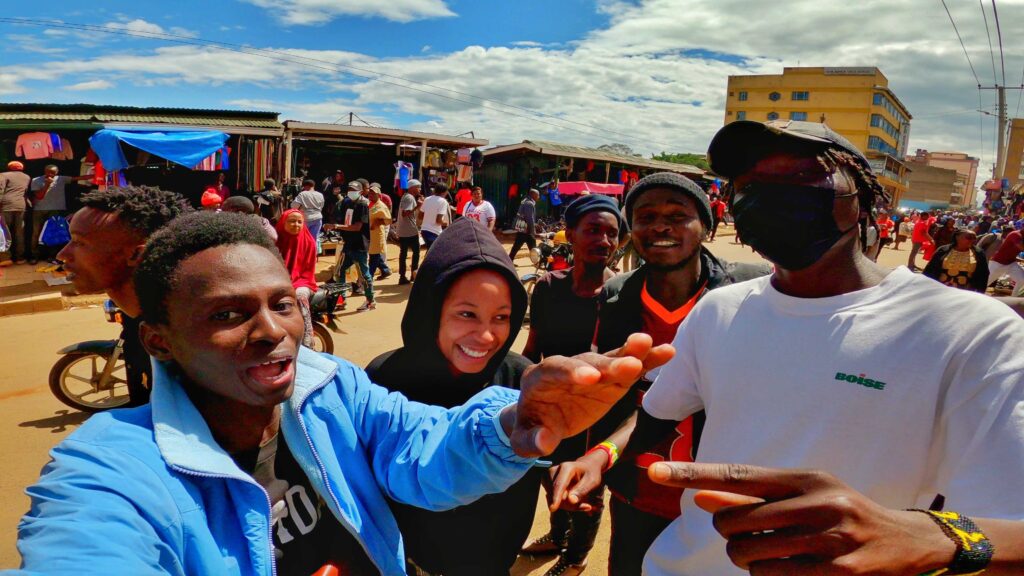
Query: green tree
[[698, 160]]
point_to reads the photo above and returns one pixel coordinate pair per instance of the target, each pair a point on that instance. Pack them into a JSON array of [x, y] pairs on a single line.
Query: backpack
[[55, 232]]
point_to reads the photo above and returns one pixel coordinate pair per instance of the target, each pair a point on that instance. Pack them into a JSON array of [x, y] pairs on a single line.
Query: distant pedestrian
[[409, 231], [380, 218], [311, 203], [718, 214], [436, 215], [525, 224], [480, 210], [13, 188]]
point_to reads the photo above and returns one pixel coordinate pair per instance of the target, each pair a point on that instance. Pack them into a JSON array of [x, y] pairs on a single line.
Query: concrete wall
[[930, 184]]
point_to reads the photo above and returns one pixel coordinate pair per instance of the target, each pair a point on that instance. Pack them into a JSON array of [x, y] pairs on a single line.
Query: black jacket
[[978, 281], [621, 314], [483, 537]]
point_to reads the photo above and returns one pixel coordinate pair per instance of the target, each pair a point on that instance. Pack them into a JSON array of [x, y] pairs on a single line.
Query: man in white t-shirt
[[480, 210], [806, 369], [435, 212]]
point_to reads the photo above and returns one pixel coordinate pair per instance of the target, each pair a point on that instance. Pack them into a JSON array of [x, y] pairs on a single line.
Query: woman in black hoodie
[[464, 311]]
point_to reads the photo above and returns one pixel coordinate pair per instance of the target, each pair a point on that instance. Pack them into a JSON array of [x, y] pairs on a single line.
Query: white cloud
[[140, 26], [32, 43], [91, 85], [657, 73], [317, 12]]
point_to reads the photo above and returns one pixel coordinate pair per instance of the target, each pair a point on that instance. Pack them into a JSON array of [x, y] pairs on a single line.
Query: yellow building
[[1014, 169], [856, 102]]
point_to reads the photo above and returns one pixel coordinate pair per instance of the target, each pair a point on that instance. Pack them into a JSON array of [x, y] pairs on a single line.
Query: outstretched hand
[[806, 522], [562, 397]]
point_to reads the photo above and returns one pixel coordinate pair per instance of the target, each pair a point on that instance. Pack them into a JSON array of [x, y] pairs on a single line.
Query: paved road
[[32, 421]]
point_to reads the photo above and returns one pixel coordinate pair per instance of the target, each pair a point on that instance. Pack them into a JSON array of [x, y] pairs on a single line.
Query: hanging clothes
[[34, 146], [403, 172], [465, 173], [464, 155]]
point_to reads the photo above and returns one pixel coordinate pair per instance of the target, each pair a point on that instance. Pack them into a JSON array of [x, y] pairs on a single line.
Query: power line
[[969, 63], [333, 66], [999, 34], [988, 32]]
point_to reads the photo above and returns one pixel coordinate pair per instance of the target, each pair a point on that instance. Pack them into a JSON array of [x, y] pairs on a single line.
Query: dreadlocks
[[869, 190], [144, 209]]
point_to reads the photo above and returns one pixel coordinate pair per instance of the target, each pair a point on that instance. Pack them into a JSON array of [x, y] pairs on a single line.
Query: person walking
[[526, 224], [718, 214], [14, 185], [436, 213], [353, 219], [380, 218], [918, 238], [1006, 262], [311, 203], [409, 231]]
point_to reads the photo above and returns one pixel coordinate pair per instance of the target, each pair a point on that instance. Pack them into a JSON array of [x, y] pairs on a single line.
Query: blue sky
[[648, 73]]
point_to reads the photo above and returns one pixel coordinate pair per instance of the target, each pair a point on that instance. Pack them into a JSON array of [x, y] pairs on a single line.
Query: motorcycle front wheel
[[75, 381], [322, 339]]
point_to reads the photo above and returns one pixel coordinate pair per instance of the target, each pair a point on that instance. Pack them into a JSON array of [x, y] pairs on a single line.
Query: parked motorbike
[[91, 376], [546, 257], [324, 303]]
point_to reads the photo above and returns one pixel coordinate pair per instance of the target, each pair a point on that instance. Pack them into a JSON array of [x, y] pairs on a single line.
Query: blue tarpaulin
[[185, 148]]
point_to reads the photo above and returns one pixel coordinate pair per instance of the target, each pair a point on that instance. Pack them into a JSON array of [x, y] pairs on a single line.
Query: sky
[[647, 73]]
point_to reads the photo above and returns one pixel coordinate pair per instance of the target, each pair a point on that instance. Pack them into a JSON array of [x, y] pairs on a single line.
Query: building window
[[743, 96], [774, 96], [801, 95], [877, 100], [741, 115], [876, 143], [773, 115], [802, 116]]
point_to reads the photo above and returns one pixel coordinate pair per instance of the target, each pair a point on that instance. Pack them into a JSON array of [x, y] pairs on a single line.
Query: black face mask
[[788, 224]]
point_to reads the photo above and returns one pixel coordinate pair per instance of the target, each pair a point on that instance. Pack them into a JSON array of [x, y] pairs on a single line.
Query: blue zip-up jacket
[[149, 491]]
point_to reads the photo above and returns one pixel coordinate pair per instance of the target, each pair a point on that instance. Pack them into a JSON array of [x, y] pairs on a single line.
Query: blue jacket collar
[[182, 435]]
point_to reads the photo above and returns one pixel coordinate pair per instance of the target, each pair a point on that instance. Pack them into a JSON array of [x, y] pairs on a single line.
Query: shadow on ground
[[59, 422]]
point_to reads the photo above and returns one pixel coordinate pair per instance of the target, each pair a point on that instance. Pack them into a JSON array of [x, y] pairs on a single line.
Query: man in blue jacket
[[257, 456]]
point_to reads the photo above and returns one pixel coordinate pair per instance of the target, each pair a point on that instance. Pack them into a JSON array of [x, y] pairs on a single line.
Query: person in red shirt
[[918, 238], [717, 215], [462, 197], [1006, 262], [885, 233]]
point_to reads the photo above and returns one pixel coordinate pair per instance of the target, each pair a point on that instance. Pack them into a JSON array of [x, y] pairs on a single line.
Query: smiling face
[[233, 325], [478, 196], [475, 321], [666, 228], [102, 253], [294, 222]]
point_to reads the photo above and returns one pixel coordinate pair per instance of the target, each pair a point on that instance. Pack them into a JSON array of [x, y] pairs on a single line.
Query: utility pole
[[1000, 165]]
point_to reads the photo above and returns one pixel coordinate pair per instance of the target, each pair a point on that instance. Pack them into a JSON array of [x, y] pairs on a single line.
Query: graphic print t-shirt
[[306, 535]]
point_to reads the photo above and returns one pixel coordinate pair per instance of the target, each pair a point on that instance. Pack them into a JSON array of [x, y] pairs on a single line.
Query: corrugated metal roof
[[572, 151], [373, 132], [102, 114]]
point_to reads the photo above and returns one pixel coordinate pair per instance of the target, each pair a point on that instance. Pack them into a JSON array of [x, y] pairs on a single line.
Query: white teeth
[[664, 243], [472, 353]]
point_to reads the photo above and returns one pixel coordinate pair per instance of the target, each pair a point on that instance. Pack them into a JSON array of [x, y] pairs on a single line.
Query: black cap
[[737, 146], [676, 182], [590, 203]]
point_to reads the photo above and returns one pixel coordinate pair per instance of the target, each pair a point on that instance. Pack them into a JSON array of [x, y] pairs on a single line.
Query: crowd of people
[[774, 396]]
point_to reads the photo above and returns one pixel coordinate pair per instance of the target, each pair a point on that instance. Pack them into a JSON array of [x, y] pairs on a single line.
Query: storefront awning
[[185, 148], [574, 188]]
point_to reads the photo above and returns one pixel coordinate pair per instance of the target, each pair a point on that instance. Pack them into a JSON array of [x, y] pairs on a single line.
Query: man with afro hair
[[108, 235]]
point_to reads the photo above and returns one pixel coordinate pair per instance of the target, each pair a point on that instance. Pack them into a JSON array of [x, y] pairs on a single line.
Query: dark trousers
[[521, 238], [360, 259], [915, 247], [405, 245], [15, 221], [377, 262], [579, 529], [633, 532], [714, 226]]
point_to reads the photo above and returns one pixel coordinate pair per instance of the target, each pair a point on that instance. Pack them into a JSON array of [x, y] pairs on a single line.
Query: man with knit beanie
[[669, 217]]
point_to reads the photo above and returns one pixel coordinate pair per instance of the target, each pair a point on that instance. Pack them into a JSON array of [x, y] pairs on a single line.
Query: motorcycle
[[546, 257], [327, 300], [91, 376]]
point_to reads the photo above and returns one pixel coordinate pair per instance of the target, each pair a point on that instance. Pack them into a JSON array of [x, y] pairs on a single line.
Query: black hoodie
[[482, 538]]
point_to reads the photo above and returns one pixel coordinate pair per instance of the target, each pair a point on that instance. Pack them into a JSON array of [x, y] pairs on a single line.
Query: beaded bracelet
[[608, 448], [973, 549]]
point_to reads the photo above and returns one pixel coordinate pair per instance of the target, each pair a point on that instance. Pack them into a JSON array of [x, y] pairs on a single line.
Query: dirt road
[[32, 420]]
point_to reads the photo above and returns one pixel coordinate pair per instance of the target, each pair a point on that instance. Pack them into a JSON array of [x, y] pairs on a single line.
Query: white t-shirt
[[433, 206], [904, 390], [482, 213]]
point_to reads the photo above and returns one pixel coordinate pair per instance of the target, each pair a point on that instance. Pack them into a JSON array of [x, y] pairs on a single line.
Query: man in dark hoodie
[[465, 309], [669, 217]]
